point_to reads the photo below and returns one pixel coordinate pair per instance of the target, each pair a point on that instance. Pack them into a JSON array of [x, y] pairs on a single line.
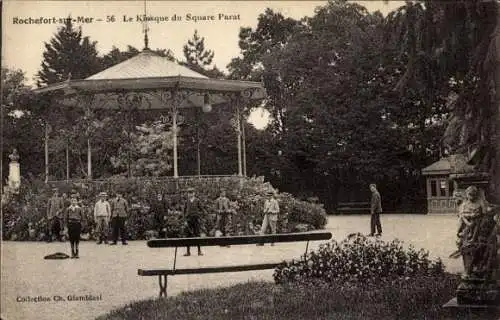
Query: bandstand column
[[89, 146], [244, 149], [89, 159], [238, 133], [46, 143], [174, 132]]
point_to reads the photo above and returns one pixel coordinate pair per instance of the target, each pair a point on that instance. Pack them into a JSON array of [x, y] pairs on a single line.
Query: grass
[[412, 299]]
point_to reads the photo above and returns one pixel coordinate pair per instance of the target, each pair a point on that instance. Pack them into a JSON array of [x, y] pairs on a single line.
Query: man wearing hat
[[223, 211], [192, 214], [55, 207], [271, 211], [102, 214]]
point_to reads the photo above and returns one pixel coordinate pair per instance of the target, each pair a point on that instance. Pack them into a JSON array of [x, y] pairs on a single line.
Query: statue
[[14, 181], [477, 243]]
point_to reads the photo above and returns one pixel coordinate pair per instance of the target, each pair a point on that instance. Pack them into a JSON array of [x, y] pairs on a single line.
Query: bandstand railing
[[168, 184]]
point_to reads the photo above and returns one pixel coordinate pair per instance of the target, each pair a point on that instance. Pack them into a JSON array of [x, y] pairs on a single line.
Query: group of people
[[69, 217], [193, 211], [64, 218]]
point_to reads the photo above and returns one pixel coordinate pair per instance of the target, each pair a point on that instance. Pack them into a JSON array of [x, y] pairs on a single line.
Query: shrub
[[27, 211], [359, 259]]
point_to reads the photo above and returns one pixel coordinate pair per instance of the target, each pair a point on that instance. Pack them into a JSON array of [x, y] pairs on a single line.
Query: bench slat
[[157, 272], [237, 240]]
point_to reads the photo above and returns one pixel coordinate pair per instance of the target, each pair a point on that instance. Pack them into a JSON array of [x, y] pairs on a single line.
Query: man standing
[[375, 209], [55, 207], [223, 211], [102, 213], [118, 216], [271, 211], [159, 209], [192, 214]]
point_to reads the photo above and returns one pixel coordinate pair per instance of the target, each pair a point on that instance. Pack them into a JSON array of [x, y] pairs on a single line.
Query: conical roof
[[146, 64]]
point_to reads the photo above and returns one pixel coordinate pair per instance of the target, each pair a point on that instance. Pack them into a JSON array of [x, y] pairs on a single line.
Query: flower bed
[[24, 215], [359, 260]]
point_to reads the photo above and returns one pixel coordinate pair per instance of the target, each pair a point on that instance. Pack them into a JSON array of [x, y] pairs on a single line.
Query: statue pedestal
[[14, 181], [478, 292], [483, 310]]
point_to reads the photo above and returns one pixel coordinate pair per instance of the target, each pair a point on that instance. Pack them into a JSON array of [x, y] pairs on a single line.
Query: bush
[[359, 259], [27, 211]]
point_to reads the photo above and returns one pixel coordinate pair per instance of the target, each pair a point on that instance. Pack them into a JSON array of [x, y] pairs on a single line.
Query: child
[[73, 221]]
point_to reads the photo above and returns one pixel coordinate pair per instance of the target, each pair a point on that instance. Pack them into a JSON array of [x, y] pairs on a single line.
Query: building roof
[[146, 64], [438, 168]]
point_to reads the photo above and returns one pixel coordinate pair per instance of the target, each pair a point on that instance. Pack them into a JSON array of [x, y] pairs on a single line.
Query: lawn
[[415, 299]]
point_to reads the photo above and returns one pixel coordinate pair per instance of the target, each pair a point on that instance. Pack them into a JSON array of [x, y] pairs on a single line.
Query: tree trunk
[[495, 176]]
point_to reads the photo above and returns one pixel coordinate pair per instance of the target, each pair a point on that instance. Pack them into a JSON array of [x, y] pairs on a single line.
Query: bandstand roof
[[145, 73]]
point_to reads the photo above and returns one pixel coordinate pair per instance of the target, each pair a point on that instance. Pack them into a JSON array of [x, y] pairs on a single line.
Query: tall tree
[[198, 58], [68, 54], [459, 41], [21, 128]]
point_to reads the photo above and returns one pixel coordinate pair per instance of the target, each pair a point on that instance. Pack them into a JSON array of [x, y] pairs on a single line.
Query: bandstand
[[149, 82]]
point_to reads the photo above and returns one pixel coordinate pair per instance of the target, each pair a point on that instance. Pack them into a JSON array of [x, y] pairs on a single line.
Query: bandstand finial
[[145, 28]]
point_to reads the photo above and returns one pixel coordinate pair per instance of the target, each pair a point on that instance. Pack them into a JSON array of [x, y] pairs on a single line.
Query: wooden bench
[[223, 241], [353, 207]]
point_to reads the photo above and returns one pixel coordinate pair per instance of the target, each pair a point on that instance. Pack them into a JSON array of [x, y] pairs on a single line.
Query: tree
[[195, 53], [149, 151], [459, 39], [21, 128], [198, 58], [68, 55]]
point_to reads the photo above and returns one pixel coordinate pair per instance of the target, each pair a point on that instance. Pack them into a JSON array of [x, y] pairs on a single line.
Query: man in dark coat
[[376, 210], [193, 212], [159, 209], [119, 214], [55, 208]]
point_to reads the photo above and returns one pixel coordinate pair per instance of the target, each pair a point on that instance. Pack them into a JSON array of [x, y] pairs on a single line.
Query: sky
[[26, 25]]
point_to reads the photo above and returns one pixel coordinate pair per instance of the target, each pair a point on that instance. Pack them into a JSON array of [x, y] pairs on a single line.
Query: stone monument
[[477, 237], [14, 180]]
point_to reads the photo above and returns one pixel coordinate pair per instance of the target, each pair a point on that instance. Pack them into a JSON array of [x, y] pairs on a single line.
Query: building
[[440, 187]]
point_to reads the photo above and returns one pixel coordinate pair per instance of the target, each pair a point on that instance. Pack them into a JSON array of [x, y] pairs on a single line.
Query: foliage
[[68, 55], [360, 260], [198, 58], [247, 197], [147, 150], [451, 53], [418, 298]]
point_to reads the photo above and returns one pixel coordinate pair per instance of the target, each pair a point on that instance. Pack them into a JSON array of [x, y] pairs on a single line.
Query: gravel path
[[111, 271]]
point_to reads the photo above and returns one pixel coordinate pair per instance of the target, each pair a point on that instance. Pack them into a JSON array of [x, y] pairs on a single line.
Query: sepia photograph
[[276, 159]]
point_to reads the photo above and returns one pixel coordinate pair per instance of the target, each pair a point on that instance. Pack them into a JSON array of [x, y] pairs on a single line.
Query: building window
[[442, 188], [433, 188]]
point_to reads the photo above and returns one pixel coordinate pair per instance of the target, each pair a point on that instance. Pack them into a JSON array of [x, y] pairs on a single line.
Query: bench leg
[[162, 281]]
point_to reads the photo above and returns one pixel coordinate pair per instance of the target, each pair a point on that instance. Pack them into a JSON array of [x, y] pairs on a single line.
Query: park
[[344, 165]]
